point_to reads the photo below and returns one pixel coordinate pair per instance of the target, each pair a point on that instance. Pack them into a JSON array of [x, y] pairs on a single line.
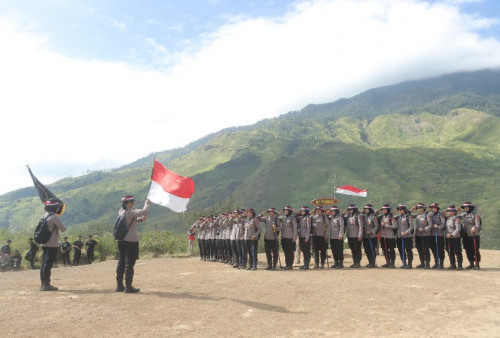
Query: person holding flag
[[54, 209], [128, 248]]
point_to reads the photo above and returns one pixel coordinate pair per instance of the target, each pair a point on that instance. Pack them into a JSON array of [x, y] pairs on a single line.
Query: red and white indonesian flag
[[350, 190], [169, 189]]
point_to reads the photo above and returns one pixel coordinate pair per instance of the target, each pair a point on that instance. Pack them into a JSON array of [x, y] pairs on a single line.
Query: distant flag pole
[[352, 191], [169, 189], [43, 192]]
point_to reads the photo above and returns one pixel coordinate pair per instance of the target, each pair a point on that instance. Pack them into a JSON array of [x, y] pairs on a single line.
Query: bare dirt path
[[185, 296]]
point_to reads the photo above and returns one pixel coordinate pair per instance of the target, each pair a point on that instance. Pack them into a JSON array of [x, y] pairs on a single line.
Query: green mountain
[[432, 140]]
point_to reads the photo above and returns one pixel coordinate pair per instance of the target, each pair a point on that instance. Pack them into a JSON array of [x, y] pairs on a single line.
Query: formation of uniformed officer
[[233, 237]]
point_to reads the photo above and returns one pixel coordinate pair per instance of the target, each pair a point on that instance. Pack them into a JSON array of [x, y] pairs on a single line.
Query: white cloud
[[66, 112]]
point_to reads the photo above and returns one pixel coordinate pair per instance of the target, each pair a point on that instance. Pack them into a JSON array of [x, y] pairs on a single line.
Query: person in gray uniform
[[387, 241], [437, 222], [235, 257], [404, 235], [128, 248], [53, 208], [452, 234], [288, 225], [240, 242], [472, 225], [251, 236], [304, 232], [423, 239], [369, 222], [320, 226], [271, 233], [354, 234], [337, 229]]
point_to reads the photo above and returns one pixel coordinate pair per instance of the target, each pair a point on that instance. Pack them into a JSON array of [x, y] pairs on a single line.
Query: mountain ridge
[[408, 142]]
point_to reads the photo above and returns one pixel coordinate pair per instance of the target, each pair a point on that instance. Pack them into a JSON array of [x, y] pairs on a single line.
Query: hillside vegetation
[[430, 140]]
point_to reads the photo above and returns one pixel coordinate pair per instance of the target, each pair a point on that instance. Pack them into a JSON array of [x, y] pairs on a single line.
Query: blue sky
[[170, 72]]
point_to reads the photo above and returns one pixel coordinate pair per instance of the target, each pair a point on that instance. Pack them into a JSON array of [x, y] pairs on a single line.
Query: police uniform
[[452, 231], [288, 225], [337, 229], [271, 239], [354, 235], [66, 249], [423, 239], [437, 222], [32, 253], [471, 238], [77, 252], [251, 236], [235, 257], [320, 227], [304, 232], [91, 244], [387, 237], [404, 235], [240, 241], [370, 228]]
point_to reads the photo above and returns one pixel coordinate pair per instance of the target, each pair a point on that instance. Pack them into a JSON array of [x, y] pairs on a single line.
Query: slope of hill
[[429, 140]]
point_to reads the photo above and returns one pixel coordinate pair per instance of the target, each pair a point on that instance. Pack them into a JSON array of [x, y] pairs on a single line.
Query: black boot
[[427, 265], [340, 265], [131, 289], [421, 265], [409, 266], [119, 287]]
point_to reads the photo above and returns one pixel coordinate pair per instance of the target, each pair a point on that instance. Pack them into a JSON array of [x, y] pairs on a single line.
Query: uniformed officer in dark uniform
[[91, 244], [30, 256], [77, 250], [65, 250]]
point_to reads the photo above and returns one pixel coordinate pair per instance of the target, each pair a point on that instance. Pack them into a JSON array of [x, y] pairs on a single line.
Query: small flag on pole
[[169, 189], [45, 193], [350, 190]]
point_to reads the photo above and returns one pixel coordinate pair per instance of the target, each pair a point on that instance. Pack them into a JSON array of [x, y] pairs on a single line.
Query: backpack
[[42, 233], [121, 228]]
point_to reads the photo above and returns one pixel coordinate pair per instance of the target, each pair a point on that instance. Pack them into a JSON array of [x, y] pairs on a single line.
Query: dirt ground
[[188, 297]]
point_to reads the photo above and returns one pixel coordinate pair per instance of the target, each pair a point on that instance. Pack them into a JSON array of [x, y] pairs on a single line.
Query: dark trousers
[[369, 244], [337, 250], [472, 249], [66, 260], [242, 250], [76, 257], [128, 253], [437, 248], [319, 248], [454, 249], [405, 246], [90, 256], [305, 247], [213, 249], [271, 247], [30, 256], [288, 250], [200, 247], [236, 252], [355, 247], [229, 252], [423, 244], [388, 245], [48, 258], [251, 248]]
